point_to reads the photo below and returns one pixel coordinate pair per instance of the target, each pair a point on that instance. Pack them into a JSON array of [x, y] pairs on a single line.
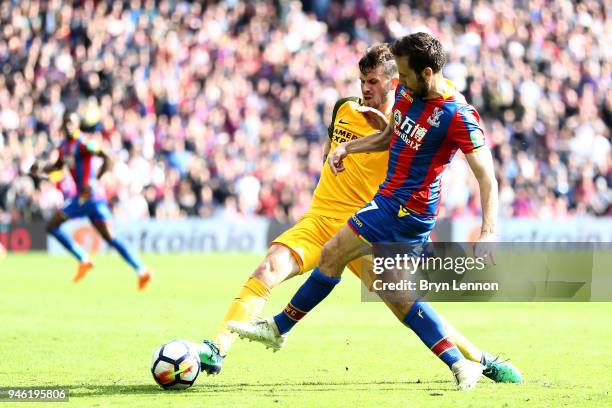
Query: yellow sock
[[250, 301], [469, 350]]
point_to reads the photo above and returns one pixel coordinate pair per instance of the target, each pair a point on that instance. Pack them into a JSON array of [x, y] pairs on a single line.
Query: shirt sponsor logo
[[411, 133], [341, 136]]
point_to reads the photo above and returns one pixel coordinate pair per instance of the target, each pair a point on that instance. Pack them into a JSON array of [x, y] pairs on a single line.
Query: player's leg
[[336, 253], [272, 332], [278, 265], [428, 326], [410, 228], [467, 348], [496, 369], [378, 221], [104, 228], [293, 252], [72, 209], [372, 223], [501, 371], [53, 228], [100, 216], [362, 268], [340, 249]]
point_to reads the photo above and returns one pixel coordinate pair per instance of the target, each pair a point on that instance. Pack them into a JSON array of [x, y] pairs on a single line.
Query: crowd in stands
[[222, 107]]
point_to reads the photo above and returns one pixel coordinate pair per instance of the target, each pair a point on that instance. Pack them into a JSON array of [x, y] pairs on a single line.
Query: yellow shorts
[[307, 237]]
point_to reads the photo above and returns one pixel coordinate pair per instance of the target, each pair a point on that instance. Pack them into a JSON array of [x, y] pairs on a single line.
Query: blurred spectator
[[222, 106]]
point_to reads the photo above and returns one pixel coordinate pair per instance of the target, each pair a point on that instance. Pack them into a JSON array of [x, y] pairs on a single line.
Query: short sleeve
[[337, 106], [465, 129], [89, 147]]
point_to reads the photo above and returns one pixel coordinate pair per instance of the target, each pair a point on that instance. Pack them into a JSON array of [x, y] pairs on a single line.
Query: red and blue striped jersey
[[77, 154], [426, 136]]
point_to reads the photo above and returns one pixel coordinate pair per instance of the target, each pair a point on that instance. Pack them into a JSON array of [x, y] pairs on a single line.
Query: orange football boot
[[84, 267], [144, 279]]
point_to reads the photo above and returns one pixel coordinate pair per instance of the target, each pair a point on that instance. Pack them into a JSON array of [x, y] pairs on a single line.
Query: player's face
[[418, 83], [70, 126], [374, 87]]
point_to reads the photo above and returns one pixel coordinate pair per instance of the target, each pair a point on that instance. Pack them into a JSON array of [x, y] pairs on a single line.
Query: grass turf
[[96, 338]]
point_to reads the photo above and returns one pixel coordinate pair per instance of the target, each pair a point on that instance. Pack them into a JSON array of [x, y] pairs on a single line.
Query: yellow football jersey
[[342, 195]]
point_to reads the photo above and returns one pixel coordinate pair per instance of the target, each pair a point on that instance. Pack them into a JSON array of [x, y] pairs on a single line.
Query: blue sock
[[68, 243], [127, 254], [424, 321], [311, 293]]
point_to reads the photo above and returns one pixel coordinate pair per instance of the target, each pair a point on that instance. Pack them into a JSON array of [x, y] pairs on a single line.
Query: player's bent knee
[[104, 230], [277, 266], [265, 274], [54, 224], [332, 258], [327, 254], [107, 237]]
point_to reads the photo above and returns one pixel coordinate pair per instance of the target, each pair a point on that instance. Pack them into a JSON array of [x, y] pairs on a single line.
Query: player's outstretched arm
[[53, 167], [376, 142], [374, 117], [481, 163], [36, 169]]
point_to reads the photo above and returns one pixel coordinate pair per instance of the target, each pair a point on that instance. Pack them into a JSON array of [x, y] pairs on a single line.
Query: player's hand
[[335, 159], [374, 117], [484, 247]]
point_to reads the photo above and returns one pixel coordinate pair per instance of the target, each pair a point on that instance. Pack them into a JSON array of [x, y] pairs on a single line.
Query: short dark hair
[[66, 116], [423, 50], [376, 55]]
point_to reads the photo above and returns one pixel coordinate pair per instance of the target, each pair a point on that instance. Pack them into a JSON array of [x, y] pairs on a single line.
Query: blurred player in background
[[430, 122], [76, 152], [297, 250]]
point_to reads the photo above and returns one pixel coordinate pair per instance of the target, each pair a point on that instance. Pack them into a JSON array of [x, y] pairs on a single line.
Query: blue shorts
[[95, 210], [385, 220]]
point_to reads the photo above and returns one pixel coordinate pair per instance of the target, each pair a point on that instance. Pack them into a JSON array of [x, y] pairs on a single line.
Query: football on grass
[[175, 366]]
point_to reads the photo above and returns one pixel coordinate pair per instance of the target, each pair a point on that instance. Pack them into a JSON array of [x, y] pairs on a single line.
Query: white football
[[175, 365]]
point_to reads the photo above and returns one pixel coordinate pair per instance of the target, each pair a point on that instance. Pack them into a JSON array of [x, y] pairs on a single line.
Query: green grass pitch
[[97, 337]]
